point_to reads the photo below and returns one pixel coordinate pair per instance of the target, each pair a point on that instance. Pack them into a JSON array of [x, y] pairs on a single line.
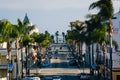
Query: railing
[[3, 66]]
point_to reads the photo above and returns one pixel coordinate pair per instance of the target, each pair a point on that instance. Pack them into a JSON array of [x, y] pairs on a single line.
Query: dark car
[[73, 62], [48, 78]]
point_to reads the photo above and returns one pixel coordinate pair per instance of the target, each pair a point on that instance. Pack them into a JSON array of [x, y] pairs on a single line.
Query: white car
[[84, 76], [57, 78], [31, 78]]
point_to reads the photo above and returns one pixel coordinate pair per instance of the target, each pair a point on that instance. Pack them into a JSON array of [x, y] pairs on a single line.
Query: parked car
[[45, 64], [31, 78], [48, 78], [57, 78], [84, 76], [73, 62], [70, 58]]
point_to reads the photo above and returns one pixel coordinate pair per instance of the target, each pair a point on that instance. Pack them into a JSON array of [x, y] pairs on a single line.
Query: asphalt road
[[59, 65]]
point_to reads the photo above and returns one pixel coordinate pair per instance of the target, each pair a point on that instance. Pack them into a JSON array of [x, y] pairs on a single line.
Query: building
[[4, 63], [27, 20], [116, 66], [116, 37], [3, 56], [116, 28]]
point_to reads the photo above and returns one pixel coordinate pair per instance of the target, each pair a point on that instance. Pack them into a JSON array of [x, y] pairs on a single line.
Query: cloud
[[44, 4]]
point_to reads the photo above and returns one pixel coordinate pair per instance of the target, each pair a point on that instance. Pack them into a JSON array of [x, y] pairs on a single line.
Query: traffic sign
[[10, 66]]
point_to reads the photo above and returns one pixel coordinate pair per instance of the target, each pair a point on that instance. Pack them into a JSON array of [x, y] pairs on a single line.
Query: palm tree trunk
[[21, 47], [110, 38], [92, 56], [26, 50], [93, 53], [17, 70], [104, 54], [9, 57], [89, 57]]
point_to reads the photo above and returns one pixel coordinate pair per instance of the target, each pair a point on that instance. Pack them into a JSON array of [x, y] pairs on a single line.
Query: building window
[[118, 77]]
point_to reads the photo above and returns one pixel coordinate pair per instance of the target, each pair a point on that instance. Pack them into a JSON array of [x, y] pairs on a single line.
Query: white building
[[26, 19], [3, 55], [116, 28]]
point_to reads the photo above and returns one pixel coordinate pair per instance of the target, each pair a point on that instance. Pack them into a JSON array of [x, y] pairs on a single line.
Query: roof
[[26, 19]]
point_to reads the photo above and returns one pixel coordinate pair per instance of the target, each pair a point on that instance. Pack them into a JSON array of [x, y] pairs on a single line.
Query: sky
[[50, 15]]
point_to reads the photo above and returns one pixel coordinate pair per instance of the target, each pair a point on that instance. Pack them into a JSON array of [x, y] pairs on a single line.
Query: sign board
[[10, 66], [94, 66], [0, 56]]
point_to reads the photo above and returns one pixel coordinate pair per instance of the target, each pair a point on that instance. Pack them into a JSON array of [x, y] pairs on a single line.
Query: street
[[59, 65]]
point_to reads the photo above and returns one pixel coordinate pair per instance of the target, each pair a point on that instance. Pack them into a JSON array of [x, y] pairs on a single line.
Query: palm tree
[[1, 37], [23, 28], [63, 34], [57, 34], [105, 12], [52, 39], [7, 36], [94, 29], [16, 35], [79, 28]]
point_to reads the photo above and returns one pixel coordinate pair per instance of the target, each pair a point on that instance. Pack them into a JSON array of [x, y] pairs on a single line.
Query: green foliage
[[115, 44], [105, 8], [15, 31], [6, 29], [99, 34], [72, 35], [35, 37], [26, 39], [45, 43], [43, 38], [21, 27]]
